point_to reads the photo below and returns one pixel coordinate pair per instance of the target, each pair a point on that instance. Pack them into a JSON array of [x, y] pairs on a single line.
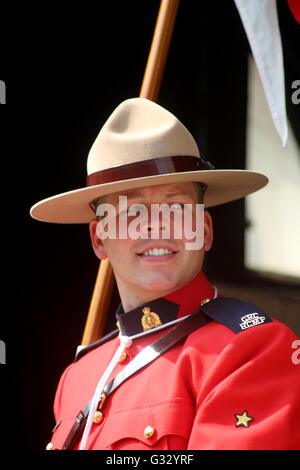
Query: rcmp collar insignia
[[146, 317], [150, 319]]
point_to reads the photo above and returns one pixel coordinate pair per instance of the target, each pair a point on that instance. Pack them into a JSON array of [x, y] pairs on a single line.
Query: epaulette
[[237, 315], [83, 351]]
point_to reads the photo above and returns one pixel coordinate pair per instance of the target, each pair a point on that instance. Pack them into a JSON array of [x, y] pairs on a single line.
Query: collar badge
[[150, 319]]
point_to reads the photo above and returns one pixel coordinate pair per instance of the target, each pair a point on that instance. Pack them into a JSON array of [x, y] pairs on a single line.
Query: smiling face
[[152, 265]]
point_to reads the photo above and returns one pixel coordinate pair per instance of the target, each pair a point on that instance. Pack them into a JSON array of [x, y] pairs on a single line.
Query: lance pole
[[150, 89]]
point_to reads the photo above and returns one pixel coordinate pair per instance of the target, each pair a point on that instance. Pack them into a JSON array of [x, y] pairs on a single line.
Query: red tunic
[[214, 390]]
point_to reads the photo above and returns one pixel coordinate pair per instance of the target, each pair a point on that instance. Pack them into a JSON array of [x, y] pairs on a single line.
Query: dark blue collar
[[146, 317], [159, 312]]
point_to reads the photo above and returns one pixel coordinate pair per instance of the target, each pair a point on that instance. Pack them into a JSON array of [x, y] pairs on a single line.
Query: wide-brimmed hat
[[143, 144]]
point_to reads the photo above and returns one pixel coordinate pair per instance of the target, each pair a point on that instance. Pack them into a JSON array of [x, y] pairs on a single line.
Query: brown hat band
[[152, 167]]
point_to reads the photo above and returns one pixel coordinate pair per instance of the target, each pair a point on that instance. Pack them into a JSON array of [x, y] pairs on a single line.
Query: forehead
[[161, 190]]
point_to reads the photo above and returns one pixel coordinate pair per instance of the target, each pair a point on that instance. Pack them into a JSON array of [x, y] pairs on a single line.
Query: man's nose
[[153, 226]]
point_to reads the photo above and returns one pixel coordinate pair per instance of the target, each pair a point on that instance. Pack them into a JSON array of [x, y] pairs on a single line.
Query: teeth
[[157, 252]]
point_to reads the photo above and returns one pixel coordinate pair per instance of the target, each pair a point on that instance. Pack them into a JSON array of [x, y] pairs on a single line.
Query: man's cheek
[[194, 227]]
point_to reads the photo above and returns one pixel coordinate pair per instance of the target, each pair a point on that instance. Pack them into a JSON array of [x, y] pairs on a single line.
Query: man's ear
[[96, 241], [208, 231]]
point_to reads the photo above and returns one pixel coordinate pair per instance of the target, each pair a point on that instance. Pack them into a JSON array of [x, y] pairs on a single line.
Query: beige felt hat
[[143, 144]]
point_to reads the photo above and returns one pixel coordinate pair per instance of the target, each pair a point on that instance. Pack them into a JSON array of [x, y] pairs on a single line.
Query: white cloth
[[260, 21]]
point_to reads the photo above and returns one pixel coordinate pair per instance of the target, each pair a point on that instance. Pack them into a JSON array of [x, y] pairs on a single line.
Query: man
[[227, 383]]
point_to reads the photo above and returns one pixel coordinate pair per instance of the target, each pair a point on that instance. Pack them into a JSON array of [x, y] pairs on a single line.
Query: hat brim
[[223, 186]]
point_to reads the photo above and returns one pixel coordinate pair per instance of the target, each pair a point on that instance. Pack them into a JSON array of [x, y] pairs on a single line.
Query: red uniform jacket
[[216, 389]]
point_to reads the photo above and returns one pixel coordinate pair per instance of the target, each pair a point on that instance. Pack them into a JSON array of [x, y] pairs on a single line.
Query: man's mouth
[[157, 252]]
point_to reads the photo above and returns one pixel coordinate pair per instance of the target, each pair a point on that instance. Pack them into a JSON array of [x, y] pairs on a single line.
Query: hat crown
[[137, 130]]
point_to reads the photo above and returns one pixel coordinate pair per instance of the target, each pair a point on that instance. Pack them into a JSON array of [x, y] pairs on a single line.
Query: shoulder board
[[83, 351], [237, 315]]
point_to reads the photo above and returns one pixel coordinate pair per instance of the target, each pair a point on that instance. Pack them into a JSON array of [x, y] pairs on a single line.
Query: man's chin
[[160, 285]]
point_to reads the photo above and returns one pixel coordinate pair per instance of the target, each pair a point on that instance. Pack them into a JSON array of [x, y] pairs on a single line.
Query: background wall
[[65, 71]]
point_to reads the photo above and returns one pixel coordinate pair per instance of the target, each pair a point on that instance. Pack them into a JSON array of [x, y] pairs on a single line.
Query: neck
[[132, 300], [155, 313]]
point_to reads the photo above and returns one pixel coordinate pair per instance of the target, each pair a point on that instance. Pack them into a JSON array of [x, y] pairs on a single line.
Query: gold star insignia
[[243, 420]]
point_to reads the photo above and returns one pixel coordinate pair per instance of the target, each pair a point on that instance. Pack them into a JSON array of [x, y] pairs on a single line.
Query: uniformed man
[[187, 368]]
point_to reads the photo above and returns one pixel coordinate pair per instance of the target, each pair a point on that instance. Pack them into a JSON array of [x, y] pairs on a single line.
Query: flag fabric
[[260, 20]]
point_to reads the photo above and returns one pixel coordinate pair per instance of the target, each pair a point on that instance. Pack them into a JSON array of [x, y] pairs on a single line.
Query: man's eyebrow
[[170, 194], [178, 193], [138, 194], [134, 195], [115, 199]]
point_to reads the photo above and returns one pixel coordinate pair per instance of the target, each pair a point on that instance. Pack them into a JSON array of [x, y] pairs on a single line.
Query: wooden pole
[[99, 304], [150, 89], [159, 49]]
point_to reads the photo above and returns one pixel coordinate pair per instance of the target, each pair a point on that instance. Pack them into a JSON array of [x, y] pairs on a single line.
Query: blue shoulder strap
[[237, 315]]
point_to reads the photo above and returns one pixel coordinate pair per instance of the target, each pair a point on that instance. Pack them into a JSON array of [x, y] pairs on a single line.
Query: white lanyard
[[125, 342]]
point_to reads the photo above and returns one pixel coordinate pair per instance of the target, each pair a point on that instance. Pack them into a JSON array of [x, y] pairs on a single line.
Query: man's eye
[[177, 205], [132, 210]]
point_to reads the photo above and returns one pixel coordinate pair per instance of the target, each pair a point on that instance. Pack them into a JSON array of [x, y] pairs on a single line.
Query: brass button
[[123, 357], [98, 417], [102, 400], [204, 301], [49, 446], [148, 432]]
